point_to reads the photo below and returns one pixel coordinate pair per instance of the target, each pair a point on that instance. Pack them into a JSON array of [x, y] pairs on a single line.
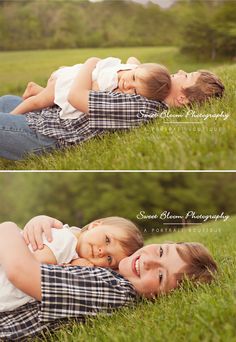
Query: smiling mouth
[[136, 266]]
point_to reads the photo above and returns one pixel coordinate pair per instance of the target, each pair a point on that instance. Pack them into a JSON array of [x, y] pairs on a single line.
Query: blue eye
[[160, 277], [109, 259]]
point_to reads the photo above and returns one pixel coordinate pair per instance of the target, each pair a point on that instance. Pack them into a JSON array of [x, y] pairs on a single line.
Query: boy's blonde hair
[[156, 81], [201, 267], [207, 85], [132, 238]]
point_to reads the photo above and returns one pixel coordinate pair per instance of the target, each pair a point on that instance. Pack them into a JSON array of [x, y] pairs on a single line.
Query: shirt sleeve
[[105, 63], [108, 110], [69, 292], [63, 245], [106, 73]]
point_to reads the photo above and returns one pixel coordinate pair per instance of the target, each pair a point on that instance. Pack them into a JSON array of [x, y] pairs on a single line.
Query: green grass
[[156, 146], [203, 313]]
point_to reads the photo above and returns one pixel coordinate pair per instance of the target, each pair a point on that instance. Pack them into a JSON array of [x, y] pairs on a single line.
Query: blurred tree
[[225, 26], [210, 30], [78, 198], [68, 24]]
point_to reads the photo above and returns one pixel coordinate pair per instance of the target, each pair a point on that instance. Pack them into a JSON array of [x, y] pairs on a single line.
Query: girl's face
[[129, 82], [152, 269], [100, 245]]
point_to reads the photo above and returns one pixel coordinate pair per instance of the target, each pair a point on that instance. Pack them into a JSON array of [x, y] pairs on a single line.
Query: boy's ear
[[182, 100], [94, 224]]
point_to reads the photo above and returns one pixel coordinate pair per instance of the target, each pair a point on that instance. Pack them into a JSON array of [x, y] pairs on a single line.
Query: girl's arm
[[133, 60], [45, 256], [36, 226], [79, 93], [48, 253], [21, 268], [81, 262], [33, 234]]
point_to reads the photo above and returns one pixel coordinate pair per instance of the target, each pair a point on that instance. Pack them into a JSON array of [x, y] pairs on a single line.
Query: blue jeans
[[17, 139]]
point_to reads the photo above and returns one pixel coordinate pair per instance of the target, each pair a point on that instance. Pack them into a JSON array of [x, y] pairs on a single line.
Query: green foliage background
[[78, 198], [206, 29], [155, 146]]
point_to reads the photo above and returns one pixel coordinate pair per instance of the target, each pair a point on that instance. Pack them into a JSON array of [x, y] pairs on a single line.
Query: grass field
[[160, 145], [203, 313]]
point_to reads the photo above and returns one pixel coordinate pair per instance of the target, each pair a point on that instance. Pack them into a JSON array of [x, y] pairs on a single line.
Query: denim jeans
[[17, 139]]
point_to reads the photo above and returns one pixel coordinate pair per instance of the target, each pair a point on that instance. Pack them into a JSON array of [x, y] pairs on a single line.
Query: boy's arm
[[21, 268], [78, 96], [133, 60]]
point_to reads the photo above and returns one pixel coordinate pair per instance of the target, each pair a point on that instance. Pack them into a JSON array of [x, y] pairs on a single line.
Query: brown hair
[[132, 239], [207, 86], [201, 267], [156, 81]]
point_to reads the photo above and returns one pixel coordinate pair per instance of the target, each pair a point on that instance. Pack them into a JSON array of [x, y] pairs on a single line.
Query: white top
[[63, 247], [105, 74]]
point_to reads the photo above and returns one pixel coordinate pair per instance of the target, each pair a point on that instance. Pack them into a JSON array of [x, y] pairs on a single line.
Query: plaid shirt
[[107, 111], [67, 292]]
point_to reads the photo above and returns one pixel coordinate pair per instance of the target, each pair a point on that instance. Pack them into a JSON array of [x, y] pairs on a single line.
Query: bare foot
[[31, 90]]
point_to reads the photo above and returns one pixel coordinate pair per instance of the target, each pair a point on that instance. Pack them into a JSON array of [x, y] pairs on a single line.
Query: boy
[[194, 87]]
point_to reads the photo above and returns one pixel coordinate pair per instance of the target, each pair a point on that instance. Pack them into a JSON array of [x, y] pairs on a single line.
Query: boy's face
[[129, 82], [180, 80], [152, 269], [99, 245], [184, 79]]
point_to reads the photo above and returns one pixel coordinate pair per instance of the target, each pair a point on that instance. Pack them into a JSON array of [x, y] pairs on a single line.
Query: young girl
[[103, 243], [149, 80]]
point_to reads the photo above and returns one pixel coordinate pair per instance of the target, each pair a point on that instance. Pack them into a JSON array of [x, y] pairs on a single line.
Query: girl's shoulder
[[108, 62], [63, 244], [71, 228]]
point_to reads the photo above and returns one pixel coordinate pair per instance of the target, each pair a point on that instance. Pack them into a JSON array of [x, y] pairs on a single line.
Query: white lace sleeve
[[63, 245]]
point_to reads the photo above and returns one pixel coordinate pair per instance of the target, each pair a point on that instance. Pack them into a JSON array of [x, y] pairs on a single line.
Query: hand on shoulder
[[35, 228]]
